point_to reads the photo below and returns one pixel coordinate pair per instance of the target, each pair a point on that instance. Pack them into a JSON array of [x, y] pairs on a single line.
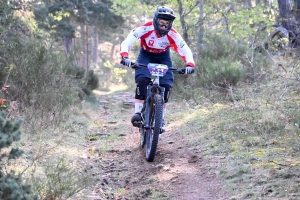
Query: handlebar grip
[[132, 65], [182, 71]]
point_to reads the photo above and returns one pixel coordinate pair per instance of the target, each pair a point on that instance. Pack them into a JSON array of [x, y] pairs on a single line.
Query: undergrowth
[[255, 140]]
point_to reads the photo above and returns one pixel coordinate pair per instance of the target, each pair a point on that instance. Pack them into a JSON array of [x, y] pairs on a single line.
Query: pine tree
[[11, 185]]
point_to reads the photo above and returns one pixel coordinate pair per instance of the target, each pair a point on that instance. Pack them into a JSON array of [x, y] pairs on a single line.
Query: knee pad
[[141, 88], [167, 91]]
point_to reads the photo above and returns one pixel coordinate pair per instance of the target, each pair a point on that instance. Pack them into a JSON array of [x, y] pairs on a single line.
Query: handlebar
[[138, 66]]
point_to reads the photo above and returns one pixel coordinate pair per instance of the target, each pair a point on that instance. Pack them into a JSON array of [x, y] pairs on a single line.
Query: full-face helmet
[[164, 14]]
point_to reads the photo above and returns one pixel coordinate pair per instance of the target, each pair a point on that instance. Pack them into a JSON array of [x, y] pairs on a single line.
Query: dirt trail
[[177, 173]]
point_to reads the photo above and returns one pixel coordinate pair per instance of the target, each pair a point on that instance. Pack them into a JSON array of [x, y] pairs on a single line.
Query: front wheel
[[155, 120], [142, 137]]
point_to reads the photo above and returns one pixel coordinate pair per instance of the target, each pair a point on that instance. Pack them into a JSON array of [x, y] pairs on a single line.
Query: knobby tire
[[156, 111], [142, 138], [142, 130]]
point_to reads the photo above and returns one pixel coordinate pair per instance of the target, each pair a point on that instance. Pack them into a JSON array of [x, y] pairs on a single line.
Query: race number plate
[[157, 69]]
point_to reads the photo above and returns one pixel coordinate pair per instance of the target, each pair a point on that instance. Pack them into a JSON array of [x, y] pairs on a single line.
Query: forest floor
[[178, 171]]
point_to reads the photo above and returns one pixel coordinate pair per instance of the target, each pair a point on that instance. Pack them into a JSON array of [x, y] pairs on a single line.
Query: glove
[[126, 61], [189, 70]]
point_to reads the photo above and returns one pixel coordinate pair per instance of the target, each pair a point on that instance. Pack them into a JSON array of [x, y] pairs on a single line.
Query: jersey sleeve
[[182, 48], [132, 37]]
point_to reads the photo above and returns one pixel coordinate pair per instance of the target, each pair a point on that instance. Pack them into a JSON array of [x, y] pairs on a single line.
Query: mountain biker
[[156, 37]]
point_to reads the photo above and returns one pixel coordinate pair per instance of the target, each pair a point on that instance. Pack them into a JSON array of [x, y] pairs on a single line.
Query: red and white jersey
[[153, 43]]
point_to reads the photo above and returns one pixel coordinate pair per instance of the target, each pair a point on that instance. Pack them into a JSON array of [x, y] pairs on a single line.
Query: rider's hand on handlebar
[[189, 70], [126, 61]]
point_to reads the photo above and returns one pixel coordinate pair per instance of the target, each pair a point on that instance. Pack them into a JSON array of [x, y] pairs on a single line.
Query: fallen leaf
[[4, 88], [2, 101]]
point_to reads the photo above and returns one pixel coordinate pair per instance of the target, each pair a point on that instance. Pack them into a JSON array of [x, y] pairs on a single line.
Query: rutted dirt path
[[177, 173]]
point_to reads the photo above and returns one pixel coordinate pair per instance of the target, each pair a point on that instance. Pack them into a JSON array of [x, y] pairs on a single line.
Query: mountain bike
[[152, 112]]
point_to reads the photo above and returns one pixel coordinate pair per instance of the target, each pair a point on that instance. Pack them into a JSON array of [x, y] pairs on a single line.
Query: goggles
[[163, 23]]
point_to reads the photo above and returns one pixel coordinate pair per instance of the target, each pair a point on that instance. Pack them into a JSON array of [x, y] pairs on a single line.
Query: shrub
[[256, 64], [221, 46], [91, 83], [39, 81], [37, 71], [221, 73], [219, 61], [59, 180], [218, 64]]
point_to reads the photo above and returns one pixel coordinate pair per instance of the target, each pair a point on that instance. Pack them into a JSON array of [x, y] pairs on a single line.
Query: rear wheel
[[152, 134]]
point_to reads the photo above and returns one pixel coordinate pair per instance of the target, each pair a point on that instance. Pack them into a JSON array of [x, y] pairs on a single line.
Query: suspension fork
[[162, 93], [147, 107], [148, 103]]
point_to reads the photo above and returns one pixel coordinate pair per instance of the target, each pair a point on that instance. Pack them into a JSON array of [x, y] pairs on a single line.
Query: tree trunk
[[82, 46], [201, 28], [248, 3], [285, 13], [297, 3], [297, 10], [68, 49], [68, 45], [94, 45], [290, 18], [113, 48], [268, 2], [182, 22], [87, 50]]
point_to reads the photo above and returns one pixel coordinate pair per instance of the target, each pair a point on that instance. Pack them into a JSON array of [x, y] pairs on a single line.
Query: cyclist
[[156, 37]]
